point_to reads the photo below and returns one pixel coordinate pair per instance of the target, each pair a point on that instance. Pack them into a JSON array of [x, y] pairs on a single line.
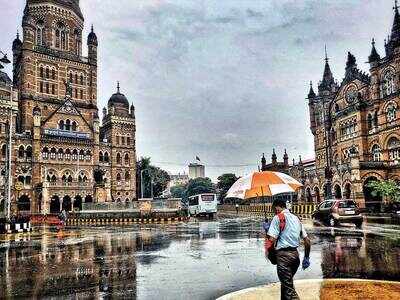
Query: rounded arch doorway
[[67, 204], [347, 191], [78, 202], [55, 206], [373, 201]]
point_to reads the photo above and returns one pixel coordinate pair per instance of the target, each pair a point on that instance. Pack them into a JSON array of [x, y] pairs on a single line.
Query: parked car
[[334, 212]]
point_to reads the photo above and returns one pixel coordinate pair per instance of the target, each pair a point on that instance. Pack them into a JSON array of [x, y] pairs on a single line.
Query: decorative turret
[[263, 163], [374, 56], [286, 159], [92, 47], [118, 104], [17, 43], [132, 110], [311, 93], [274, 157]]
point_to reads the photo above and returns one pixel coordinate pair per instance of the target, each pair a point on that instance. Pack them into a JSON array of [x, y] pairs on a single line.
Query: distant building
[[305, 173], [275, 165], [179, 179], [197, 170]]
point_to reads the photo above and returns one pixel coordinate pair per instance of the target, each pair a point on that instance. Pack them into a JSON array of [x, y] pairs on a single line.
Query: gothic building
[[275, 165], [356, 124], [61, 154]]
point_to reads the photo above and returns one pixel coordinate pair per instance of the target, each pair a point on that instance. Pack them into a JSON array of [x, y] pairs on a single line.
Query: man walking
[[287, 239]]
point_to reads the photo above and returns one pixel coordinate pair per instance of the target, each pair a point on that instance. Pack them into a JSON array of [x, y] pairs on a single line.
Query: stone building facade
[[62, 155], [356, 125]]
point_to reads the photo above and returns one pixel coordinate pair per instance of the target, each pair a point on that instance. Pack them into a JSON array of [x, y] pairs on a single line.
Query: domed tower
[[17, 50], [92, 47], [119, 130]]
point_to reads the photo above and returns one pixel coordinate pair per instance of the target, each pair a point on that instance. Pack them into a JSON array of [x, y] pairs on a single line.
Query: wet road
[[195, 260]]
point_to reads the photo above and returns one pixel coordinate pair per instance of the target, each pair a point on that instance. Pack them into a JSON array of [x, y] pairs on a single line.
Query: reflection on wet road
[[196, 260]]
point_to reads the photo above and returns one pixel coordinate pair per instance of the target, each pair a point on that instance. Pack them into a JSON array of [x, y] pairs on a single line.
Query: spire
[[263, 163], [351, 62], [118, 88], [92, 30], [395, 36], [327, 79], [374, 56], [286, 159], [274, 157], [311, 93]]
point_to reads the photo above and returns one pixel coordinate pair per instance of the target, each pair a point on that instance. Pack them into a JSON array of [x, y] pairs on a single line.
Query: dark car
[[334, 212]]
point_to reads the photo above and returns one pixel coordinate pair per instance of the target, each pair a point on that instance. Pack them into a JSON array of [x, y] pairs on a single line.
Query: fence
[[263, 209]]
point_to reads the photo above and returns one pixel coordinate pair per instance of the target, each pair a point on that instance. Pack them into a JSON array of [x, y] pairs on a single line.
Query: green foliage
[[178, 191], [153, 177], [387, 188], [199, 186], [225, 181]]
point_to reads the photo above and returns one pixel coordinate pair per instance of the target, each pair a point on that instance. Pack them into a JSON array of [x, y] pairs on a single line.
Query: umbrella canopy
[[260, 184]]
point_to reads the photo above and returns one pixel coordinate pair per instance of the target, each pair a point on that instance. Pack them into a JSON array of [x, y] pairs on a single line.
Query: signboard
[[67, 134], [207, 198]]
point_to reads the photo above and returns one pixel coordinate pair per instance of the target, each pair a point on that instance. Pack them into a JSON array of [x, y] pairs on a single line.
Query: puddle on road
[[205, 260]]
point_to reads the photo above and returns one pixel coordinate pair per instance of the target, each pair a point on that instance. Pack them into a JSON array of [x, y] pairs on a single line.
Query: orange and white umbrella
[[260, 184]]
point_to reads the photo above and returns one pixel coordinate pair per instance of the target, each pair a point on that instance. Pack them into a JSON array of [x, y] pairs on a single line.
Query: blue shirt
[[291, 235]]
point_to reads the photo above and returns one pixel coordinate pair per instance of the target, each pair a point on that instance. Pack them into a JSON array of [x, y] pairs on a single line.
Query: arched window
[[74, 154], [78, 43], [76, 78], [68, 154], [128, 141], [74, 126], [61, 125], [388, 83], [81, 155], [60, 153], [68, 125], [41, 72], [88, 155], [101, 157], [21, 152], [40, 33], [81, 79], [126, 159], [118, 177], [127, 176], [53, 74], [53, 179], [70, 77], [106, 157], [391, 113], [45, 153], [4, 150], [118, 158], [123, 140], [376, 153], [28, 152], [47, 72], [394, 149], [61, 37], [53, 153]]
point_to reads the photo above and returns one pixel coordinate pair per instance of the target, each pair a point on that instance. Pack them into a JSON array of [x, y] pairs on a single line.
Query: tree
[[155, 180], [386, 188], [178, 191], [199, 186], [225, 182]]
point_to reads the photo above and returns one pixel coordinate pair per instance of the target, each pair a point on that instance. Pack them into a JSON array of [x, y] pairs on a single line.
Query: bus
[[203, 205]]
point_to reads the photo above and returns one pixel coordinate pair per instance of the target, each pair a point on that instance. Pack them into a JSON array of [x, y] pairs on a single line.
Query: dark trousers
[[287, 264]]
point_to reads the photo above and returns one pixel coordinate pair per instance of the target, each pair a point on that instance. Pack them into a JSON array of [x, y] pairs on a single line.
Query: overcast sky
[[225, 80]]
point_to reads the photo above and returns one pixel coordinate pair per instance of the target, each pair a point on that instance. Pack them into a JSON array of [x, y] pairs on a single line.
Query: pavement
[[200, 259], [316, 289]]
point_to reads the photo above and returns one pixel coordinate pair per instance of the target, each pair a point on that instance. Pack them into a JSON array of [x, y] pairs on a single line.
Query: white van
[[203, 205]]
